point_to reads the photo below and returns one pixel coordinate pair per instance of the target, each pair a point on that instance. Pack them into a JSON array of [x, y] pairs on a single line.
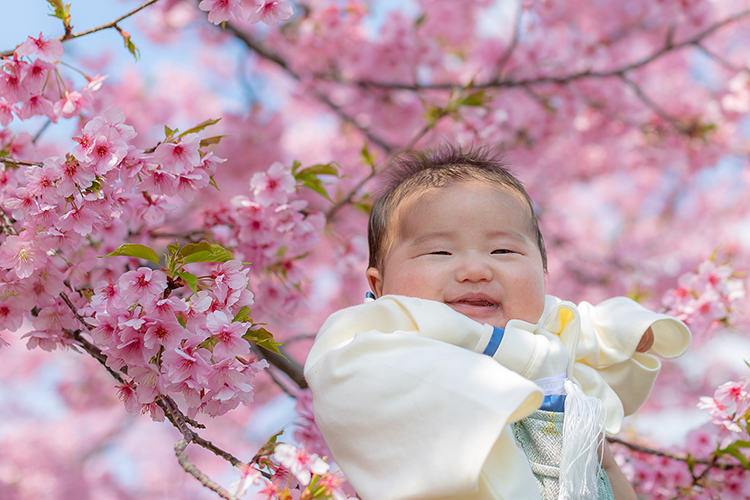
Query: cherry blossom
[[299, 462], [271, 12]]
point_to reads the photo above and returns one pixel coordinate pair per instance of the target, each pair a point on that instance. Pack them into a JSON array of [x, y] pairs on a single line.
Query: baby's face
[[470, 246]]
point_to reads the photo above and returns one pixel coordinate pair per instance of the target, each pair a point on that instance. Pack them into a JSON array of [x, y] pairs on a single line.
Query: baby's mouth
[[473, 302]]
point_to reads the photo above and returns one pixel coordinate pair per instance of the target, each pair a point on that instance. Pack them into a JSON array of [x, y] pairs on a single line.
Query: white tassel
[[583, 435]]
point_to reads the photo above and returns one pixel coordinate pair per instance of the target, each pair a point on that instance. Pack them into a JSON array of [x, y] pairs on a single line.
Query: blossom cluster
[[268, 11], [191, 347], [274, 230], [63, 205], [729, 408], [663, 478], [34, 87], [295, 473], [706, 298]]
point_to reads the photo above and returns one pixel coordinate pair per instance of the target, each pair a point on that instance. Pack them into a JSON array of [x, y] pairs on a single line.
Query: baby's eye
[[440, 252], [501, 251]]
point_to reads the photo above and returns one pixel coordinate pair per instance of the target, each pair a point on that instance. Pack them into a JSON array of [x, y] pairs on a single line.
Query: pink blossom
[[229, 335], [248, 476], [6, 112], [228, 277], [274, 185], [144, 284], [221, 10], [126, 393], [42, 182], [81, 220], [37, 105], [187, 362], [299, 462], [167, 333], [72, 176], [47, 50], [20, 254], [271, 12], [181, 156], [37, 76]]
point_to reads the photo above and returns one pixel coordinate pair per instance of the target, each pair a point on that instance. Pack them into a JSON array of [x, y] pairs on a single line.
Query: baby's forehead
[[404, 210]]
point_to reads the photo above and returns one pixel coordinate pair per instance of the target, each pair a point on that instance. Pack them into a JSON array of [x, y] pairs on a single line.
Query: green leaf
[[242, 315], [309, 176], [212, 140], [263, 338], [364, 204], [476, 98], [169, 133], [331, 168], [200, 127], [204, 252], [190, 279], [60, 11], [367, 157], [129, 43], [135, 250], [735, 451]]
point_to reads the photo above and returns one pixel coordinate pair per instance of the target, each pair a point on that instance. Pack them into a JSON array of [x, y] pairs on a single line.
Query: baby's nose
[[473, 269]]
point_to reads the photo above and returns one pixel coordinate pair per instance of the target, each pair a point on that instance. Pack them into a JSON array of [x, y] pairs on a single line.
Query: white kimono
[[412, 409]]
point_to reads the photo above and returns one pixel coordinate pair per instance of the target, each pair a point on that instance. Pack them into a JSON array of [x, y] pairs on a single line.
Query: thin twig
[[111, 24], [723, 62], [190, 468], [7, 224], [513, 43], [21, 163], [503, 83], [385, 165], [680, 457], [259, 49], [285, 363], [653, 106]]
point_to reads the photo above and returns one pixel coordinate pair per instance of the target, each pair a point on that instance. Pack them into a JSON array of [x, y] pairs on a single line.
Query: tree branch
[[723, 62], [285, 363], [513, 43], [680, 457], [259, 49], [108, 25], [668, 47], [653, 106], [378, 170], [21, 163]]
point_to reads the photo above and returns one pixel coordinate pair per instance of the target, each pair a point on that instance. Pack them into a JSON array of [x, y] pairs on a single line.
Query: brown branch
[[378, 170], [723, 62], [680, 457], [259, 49], [285, 363], [21, 163], [668, 47], [190, 468], [653, 106], [111, 24], [7, 224], [513, 43]]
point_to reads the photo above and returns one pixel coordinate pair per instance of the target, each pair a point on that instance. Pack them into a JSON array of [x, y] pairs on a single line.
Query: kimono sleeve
[[406, 405], [610, 333]]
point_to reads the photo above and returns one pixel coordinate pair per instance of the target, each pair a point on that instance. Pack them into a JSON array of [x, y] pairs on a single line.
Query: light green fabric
[[540, 437]]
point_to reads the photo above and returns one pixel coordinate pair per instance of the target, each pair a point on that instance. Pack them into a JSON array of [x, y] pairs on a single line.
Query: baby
[[463, 380]]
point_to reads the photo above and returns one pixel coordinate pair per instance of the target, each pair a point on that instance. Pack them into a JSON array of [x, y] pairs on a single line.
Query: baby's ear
[[375, 281]]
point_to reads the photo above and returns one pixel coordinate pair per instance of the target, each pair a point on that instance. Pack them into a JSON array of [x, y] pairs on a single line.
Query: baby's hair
[[415, 172]]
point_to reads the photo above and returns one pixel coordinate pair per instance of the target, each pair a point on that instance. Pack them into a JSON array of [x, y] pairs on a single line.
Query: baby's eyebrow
[[431, 237]]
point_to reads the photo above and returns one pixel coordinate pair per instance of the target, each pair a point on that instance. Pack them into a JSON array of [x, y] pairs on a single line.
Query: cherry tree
[[172, 258]]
